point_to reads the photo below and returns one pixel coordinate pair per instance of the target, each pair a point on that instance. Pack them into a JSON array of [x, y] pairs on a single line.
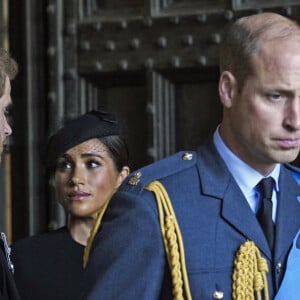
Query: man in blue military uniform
[[189, 226]]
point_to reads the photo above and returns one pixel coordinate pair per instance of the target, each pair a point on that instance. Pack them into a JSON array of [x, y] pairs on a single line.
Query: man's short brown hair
[[8, 67]]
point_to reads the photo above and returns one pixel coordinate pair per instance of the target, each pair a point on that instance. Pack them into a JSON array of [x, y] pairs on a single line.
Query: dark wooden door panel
[[118, 4], [153, 62], [198, 112], [130, 105]]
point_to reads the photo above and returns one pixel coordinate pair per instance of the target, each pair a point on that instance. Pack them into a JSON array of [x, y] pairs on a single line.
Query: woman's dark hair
[[118, 150]]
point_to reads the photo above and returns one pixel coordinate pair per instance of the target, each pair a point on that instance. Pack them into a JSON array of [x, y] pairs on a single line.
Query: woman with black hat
[[88, 160]]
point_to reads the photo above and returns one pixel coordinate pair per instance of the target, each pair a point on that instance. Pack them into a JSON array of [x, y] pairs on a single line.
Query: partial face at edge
[[5, 102]]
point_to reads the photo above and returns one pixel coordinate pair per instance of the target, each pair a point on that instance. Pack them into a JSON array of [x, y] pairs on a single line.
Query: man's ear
[[227, 88]]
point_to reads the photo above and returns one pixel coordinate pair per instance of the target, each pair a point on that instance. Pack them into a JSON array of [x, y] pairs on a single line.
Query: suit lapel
[[218, 182], [238, 213]]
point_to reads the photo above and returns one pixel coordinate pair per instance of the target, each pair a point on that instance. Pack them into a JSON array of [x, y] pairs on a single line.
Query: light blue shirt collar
[[245, 176]]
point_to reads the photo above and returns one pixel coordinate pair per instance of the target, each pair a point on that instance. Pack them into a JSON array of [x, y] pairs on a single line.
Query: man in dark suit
[[8, 71], [192, 226]]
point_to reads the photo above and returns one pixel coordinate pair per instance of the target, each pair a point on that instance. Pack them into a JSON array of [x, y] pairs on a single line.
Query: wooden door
[[152, 62]]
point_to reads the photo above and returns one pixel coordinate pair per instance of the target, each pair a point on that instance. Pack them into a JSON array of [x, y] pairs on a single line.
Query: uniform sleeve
[[128, 250]]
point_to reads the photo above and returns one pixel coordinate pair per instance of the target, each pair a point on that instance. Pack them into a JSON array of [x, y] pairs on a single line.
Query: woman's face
[[85, 177]]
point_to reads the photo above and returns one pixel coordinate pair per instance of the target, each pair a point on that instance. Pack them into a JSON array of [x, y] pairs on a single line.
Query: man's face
[[264, 117], [5, 101]]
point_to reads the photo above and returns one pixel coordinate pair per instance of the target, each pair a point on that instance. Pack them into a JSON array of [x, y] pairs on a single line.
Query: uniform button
[[278, 268], [218, 295], [187, 156]]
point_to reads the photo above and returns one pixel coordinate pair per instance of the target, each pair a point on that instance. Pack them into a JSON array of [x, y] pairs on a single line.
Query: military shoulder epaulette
[[137, 180]]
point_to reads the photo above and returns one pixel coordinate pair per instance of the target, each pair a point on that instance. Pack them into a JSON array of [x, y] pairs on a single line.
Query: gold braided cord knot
[[249, 274], [94, 231], [172, 240]]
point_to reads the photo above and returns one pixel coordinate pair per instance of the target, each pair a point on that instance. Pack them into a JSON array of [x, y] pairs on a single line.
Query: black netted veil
[[93, 124]]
